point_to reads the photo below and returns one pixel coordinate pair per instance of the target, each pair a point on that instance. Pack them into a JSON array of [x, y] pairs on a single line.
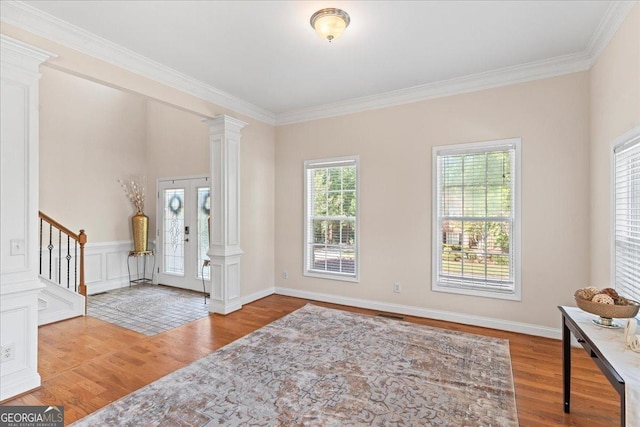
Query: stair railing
[[52, 232]]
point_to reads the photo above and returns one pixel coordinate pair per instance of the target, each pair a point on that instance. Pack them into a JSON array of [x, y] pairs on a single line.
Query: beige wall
[[177, 146], [112, 122], [615, 109], [257, 207], [91, 135], [394, 145]]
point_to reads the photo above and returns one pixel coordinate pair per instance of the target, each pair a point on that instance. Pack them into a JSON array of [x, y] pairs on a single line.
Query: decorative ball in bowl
[[607, 304]]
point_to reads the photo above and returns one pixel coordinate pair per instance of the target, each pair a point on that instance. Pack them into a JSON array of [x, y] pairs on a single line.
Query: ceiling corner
[[611, 21]]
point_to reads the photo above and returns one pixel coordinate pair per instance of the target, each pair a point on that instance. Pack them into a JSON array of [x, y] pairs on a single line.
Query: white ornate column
[[19, 260], [224, 246]]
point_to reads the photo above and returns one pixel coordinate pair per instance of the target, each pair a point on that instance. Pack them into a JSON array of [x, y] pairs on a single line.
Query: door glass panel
[[174, 231], [203, 209]]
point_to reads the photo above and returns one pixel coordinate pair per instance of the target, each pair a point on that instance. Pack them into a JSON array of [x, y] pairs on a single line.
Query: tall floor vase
[[140, 227]]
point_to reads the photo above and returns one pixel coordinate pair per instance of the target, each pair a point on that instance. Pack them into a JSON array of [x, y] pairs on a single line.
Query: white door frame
[[191, 279]]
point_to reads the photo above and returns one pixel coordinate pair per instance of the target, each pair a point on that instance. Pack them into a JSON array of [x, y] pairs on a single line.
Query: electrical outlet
[[17, 247], [7, 352], [285, 274], [396, 287]]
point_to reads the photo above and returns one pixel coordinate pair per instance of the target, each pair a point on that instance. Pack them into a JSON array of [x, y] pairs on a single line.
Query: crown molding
[[490, 79], [609, 24], [45, 25], [611, 21], [35, 21], [34, 54]]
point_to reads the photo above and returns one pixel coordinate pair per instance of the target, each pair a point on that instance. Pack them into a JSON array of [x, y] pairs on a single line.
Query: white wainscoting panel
[[116, 264], [18, 331], [107, 269], [92, 268]]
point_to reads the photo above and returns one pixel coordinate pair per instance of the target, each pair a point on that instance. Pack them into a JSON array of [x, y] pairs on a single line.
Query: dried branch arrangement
[[134, 190]]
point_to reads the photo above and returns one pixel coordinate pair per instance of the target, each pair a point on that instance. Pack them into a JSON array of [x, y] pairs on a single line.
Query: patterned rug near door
[[325, 367], [148, 309]]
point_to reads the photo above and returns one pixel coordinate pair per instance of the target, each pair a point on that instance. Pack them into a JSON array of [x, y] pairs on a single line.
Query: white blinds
[[627, 219], [475, 190], [331, 207]]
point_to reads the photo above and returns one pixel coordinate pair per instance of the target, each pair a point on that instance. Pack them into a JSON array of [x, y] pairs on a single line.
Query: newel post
[[224, 245], [82, 287]]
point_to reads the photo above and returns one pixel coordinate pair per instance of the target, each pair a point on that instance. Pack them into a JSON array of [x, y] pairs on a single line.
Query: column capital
[[223, 123]]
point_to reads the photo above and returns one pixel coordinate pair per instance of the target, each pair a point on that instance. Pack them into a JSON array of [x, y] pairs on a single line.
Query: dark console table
[[606, 348]]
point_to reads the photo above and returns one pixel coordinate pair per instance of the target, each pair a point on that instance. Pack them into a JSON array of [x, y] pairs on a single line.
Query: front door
[[183, 232]]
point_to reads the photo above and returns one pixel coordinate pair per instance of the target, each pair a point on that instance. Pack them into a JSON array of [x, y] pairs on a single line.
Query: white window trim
[[516, 294], [331, 275], [627, 139]]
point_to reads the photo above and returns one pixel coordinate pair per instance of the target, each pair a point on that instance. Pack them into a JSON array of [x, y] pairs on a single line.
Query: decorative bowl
[[609, 311]]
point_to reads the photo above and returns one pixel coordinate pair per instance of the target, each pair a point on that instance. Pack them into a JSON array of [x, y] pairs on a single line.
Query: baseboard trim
[[13, 387], [258, 295], [467, 319], [224, 309], [97, 288]]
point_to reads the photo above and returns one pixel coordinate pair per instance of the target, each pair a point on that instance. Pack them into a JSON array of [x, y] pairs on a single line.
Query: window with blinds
[[331, 218], [476, 235], [626, 232]]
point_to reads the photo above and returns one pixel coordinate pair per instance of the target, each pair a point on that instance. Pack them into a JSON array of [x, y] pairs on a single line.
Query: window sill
[[332, 276], [506, 295]]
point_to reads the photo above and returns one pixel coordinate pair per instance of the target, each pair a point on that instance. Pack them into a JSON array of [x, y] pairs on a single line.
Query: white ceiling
[[266, 54]]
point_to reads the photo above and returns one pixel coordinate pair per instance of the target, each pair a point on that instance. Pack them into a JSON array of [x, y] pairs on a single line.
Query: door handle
[[186, 240]]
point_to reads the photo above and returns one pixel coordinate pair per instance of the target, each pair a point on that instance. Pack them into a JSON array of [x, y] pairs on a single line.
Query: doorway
[[184, 206]]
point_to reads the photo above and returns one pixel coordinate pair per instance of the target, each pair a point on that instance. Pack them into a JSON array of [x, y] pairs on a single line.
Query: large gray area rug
[[325, 367], [148, 309]]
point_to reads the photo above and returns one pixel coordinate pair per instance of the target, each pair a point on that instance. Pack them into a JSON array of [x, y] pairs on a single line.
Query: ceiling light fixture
[[330, 23]]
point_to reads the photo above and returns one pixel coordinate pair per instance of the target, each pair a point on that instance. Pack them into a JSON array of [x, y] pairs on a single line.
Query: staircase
[[61, 271]]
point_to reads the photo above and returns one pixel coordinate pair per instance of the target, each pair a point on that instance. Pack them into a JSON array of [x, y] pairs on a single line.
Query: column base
[[220, 307]]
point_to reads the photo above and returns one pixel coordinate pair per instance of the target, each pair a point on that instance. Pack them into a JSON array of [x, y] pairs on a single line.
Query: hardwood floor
[[86, 363]]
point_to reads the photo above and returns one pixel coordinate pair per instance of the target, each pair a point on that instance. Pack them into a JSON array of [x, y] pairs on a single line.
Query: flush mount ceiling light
[[330, 23]]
